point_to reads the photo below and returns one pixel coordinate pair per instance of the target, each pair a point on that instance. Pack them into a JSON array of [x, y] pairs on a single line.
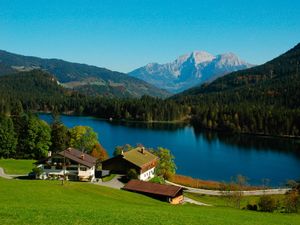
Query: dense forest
[[39, 91], [26, 136], [261, 100]]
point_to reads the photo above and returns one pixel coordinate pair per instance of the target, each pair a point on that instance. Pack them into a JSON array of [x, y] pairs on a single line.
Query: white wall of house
[[147, 175], [85, 172], [77, 170]]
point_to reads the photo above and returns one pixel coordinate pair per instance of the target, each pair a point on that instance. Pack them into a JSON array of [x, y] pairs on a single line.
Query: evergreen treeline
[[260, 100], [39, 91]]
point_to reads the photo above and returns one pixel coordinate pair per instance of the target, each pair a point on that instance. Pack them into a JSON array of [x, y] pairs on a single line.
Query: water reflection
[[251, 142], [152, 126]]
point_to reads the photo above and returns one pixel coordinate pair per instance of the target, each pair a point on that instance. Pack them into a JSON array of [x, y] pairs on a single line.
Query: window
[[72, 168], [58, 167], [47, 167], [83, 168]]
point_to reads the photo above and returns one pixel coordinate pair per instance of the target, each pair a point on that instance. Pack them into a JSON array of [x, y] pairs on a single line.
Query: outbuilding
[[170, 193]]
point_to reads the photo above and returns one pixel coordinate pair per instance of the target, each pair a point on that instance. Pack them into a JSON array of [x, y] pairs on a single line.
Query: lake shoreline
[[186, 122], [202, 154]]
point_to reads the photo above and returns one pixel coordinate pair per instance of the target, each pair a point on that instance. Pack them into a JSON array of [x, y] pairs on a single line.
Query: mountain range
[[276, 82], [87, 79], [189, 70]]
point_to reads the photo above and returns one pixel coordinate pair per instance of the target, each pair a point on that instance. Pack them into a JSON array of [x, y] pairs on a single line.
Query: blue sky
[[125, 34]]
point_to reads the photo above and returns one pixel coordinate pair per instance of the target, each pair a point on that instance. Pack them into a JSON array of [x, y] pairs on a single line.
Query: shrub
[[132, 174], [292, 201], [252, 207], [158, 180], [267, 203]]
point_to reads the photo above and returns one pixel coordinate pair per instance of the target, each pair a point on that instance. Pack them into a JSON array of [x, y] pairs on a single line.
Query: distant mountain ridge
[[89, 79], [275, 82], [189, 70]]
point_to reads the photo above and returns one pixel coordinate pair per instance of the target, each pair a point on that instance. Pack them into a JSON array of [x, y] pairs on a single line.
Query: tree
[[292, 201], [120, 149], [83, 138], [59, 137], [166, 166], [292, 198], [8, 139], [99, 152], [37, 139], [239, 183]]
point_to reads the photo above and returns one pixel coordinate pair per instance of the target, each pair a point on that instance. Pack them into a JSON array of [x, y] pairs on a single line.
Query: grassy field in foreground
[[48, 202], [17, 166]]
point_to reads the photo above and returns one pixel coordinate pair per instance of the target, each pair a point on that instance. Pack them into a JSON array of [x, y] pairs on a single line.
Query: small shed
[[170, 193]]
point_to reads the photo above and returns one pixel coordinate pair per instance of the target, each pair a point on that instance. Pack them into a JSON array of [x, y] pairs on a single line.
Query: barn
[[169, 193]]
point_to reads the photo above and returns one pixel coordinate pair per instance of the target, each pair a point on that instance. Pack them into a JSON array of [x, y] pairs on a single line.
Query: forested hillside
[[264, 99], [96, 80], [276, 82], [39, 91], [261, 100]]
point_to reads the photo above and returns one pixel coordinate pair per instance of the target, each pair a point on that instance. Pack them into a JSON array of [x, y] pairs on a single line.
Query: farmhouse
[[170, 193], [138, 158], [71, 163]]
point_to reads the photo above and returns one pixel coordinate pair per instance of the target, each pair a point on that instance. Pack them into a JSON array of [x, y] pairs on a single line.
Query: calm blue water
[[205, 155]]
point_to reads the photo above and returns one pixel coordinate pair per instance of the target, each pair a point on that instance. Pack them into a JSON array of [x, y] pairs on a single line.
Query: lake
[[203, 154]]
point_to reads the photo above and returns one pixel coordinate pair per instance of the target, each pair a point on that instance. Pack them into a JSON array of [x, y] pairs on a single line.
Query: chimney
[[122, 152], [142, 150], [82, 156], [49, 153]]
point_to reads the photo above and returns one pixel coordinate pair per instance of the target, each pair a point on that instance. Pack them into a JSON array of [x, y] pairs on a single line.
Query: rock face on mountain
[[189, 70], [275, 82], [88, 79]]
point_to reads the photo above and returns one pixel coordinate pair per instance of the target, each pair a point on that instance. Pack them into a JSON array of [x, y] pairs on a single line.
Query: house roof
[[75, 155], [139, 156], [78, 156], [152, 188]]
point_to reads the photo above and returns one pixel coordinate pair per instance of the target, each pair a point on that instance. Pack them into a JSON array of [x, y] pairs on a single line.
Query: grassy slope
[[47, 202], [222, 202], [16, 166]]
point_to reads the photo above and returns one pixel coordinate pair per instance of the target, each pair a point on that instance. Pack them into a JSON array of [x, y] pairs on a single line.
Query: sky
[[123, 35]]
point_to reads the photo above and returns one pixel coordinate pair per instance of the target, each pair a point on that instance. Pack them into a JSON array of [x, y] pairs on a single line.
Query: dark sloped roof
[[75, 155], [139, 156], [152, 188], [78, 156]]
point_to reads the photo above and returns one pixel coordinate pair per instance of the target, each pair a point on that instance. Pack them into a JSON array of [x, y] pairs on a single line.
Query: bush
[[292, 201], [132, 174], [252, 207], [158, 180], [267, 203]]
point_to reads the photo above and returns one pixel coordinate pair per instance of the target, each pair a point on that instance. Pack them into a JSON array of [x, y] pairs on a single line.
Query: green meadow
[[17, 166], [49, 202]]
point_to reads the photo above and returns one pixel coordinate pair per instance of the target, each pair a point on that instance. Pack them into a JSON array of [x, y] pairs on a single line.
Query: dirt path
[[278, 191], [3, 175], [10, 176], [192, 201]]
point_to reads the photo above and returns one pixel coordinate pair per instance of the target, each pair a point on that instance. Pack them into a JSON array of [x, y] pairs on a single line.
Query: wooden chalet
[[139, 159], [170, 193], [71, 164]]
